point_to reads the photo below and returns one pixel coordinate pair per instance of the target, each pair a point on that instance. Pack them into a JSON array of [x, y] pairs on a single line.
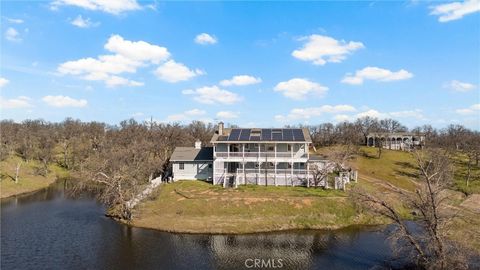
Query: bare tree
[[367, 125], [320, 172], [391, 125], [17, 171], [428, 244]]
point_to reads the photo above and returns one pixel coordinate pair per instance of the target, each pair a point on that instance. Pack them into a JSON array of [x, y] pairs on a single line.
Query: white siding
[[192, 171]]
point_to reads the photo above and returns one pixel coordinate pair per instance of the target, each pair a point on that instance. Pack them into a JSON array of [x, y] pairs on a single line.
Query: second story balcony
[[260, 151]]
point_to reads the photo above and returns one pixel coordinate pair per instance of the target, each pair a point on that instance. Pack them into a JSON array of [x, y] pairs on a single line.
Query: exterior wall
[[192, 170], [254, 163]]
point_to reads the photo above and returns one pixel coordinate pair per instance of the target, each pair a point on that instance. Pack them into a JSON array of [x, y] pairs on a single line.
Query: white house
[[192, 163], [259, 156], [405, 141]]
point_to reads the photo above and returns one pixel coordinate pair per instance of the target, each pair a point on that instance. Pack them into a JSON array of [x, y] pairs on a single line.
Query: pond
[[49, 230]]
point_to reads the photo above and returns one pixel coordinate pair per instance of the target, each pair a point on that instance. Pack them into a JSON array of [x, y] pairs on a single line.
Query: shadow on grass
[[368, 155], [406, 169]]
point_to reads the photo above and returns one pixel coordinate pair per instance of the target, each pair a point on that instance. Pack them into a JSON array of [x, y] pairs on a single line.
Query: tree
[[428, 244], [391, 125], [320, 172], [367, 125]]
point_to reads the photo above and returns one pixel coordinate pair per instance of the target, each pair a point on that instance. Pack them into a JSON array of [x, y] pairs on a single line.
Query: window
[[181, 166], [289, 147], [210, 165], [271, 148]]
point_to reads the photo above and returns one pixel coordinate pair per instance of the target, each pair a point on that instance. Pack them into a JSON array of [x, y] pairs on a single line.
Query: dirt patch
[[307, 202], [472, 203]]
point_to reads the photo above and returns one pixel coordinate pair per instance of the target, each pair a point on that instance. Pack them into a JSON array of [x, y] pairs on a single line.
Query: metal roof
[[192, 154]]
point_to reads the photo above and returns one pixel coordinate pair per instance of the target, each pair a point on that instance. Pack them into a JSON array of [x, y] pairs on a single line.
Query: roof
[[398, 134], [192, 154], [263, 135]]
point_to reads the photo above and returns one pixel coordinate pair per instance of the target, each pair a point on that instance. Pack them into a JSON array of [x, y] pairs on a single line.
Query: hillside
[[29, 178]]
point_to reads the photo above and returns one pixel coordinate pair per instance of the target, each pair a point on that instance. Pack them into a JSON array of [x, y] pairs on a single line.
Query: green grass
[[460, 162], [29, 180], [195, 206], [395, 167]]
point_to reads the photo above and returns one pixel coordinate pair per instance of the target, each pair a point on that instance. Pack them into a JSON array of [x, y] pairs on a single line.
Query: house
[[192, 163], [405, 141], [259, 156], [262, 156]]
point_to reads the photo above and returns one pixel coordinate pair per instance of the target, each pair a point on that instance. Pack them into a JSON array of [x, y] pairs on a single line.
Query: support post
[[224, 177], [308, 175], [275, 176], [291, 173], [275, 164]]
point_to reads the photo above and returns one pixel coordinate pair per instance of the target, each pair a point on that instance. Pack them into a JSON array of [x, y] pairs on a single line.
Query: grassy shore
[[28, 180], [199, 207]]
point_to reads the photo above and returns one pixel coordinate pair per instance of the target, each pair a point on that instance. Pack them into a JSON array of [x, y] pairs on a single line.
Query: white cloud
[[322, 49], [376, 74], [341, 118], [455, 10], [459, 86], [212, 95], [13, 20], [241, 80], [3, 82], [128, 57], [416, 114], [172, 72], [64, 101], [298, 88], [137, 50], [474, 109], [307, 113], [187, 115], [227, 115], [205, 39], [113, 7], [137, 114], [412, 114], [15, 103], [12, 35], [79, 21], [371, 113]]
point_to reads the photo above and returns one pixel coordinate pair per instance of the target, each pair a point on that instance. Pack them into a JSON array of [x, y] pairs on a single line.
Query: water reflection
[[49, 230]]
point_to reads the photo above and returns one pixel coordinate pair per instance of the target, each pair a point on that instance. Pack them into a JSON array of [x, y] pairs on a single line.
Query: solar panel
[[234, 134], [222, 138], [298, 135], [255, 138], [245, 135], [266, 134], [277, 136], [287, 135]]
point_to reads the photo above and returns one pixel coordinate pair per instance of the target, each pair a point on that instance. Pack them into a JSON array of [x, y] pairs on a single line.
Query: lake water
[[48, 230]]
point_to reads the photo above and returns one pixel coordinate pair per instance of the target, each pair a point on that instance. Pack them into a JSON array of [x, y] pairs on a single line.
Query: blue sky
[[259, 64]]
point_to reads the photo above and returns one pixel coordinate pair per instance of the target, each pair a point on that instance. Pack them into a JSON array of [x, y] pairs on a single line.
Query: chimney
[[220, 128], [198, 144]]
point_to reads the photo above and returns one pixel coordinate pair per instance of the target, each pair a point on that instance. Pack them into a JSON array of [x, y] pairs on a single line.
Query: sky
[[252, 64]]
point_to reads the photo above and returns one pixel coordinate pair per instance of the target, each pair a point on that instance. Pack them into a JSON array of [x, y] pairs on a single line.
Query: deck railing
[[298, 154]]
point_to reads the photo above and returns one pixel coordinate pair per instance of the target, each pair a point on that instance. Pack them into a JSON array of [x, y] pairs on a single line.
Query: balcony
[[260, 155]]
